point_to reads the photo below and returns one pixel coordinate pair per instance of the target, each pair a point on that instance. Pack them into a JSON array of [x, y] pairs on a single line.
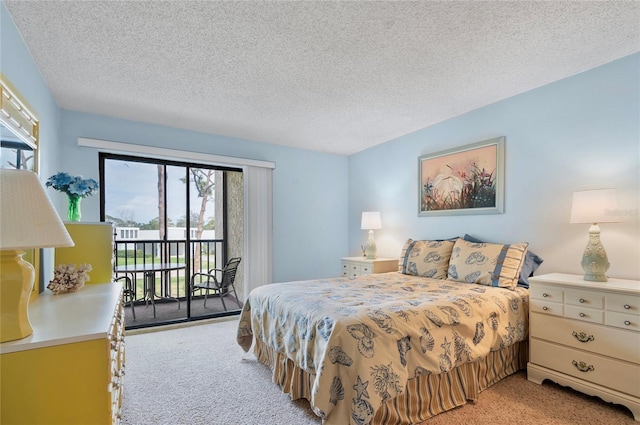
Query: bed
[[392, 348]]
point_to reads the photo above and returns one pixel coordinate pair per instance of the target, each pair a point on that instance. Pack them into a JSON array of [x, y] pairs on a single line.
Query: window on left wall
[[19, 138], [15, 153], [19, 128]]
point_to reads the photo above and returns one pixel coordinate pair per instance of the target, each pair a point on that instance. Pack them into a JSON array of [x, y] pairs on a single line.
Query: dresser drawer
[[366, 269], [623, 321], [547, 293], [351, 269], [581, 335], [547, 307], [360, 266], [584, 298], [623, 304], [618, 375], [582, 313]]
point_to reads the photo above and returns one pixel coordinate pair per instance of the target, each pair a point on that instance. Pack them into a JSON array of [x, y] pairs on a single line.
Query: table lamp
[[594, 206], [371, 221], [27, 220]]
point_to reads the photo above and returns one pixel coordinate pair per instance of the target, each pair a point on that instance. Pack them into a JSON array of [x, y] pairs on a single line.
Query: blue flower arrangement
[[73, 186]]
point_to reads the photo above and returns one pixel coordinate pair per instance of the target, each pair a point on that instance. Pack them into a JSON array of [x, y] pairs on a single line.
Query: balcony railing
[[166, 263]]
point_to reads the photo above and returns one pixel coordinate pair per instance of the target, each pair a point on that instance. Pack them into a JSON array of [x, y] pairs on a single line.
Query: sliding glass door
[[172, 220]]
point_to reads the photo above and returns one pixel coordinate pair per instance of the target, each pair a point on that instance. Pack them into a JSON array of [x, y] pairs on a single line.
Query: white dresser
[[358, 266], [586, 335]]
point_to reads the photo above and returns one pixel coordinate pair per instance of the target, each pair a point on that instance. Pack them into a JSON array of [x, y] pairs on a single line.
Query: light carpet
[[199, 375]]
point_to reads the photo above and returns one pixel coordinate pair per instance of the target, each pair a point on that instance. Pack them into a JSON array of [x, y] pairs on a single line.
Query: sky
[[131, 192]]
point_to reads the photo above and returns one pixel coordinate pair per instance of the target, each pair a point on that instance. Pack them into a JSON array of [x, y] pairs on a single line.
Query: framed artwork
[[463, 180]]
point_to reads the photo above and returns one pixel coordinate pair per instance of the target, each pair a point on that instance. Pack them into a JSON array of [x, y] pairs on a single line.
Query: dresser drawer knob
[[582, 337], [627, 307], [582, 366], [627, 323], [583, 315], [545, 308], [545, 295], [582, 300]]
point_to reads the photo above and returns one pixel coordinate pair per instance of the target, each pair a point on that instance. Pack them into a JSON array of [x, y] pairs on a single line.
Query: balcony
[[160, 272]]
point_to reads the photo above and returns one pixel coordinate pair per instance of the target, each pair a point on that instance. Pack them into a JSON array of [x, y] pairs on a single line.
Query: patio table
[[149, 270]]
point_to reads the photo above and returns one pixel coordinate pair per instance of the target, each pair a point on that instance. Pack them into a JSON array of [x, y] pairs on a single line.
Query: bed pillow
[[426, 258], [531, 262], [486, 263]]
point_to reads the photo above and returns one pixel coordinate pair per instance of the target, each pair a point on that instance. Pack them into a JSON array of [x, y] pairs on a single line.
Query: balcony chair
[[128, 294], [209, 281]]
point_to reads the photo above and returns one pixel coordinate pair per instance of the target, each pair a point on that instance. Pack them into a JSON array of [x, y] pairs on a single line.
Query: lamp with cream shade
[[371, 221], [593, 207], [27, 220]]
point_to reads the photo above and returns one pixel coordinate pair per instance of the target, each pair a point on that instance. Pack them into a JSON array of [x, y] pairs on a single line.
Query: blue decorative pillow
[[531, 263]]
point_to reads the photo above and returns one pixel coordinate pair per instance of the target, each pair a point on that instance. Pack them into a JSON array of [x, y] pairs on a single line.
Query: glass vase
[[73, 210]]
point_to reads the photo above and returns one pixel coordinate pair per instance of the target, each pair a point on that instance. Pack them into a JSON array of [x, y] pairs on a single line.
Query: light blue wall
[[579, 133], [17, 65]]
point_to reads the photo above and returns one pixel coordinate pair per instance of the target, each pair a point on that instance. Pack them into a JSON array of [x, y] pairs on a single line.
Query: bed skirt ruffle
[[425, 395]]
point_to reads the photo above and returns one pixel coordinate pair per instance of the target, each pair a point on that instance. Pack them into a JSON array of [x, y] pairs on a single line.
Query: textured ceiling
[[327, 76]]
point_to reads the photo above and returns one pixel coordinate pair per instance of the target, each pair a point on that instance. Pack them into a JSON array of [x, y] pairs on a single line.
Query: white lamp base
[[370, 247], [594, 260]]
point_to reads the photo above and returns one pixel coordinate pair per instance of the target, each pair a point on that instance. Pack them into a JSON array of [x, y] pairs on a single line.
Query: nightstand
[[358, 266], [586, 335]]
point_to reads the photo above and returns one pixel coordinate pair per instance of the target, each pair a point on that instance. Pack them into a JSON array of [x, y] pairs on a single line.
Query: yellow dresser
[[70, 370], [93, 245]]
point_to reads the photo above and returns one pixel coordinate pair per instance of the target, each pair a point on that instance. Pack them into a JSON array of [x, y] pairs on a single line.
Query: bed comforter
[[362, 339]]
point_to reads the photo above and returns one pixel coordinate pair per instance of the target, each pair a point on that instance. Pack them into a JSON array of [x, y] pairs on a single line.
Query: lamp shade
[[594, 206], [27, 216], [371, 220]]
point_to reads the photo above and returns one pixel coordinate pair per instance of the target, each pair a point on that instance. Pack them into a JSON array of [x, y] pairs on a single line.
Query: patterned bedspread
[[362, 339]]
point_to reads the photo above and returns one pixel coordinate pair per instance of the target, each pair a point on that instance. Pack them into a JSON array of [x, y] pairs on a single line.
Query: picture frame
[[462, 181]]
